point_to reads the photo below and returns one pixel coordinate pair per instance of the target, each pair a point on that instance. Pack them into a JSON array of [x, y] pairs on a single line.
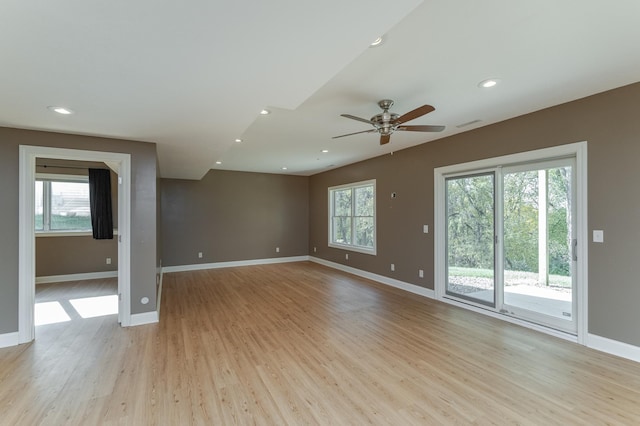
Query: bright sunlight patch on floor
[[50, 313], [90, 307]]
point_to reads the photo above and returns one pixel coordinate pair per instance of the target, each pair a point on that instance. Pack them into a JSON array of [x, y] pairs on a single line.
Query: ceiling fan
[[387, 122]]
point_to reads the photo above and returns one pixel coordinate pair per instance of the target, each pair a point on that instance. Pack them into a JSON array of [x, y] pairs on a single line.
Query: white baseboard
[[9, 339], [231, 264], [76, 277], [143, 318], [411, 288], [613, 347]]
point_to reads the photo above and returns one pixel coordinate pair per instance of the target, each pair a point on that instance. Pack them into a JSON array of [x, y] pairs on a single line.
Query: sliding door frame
[[579, 152]]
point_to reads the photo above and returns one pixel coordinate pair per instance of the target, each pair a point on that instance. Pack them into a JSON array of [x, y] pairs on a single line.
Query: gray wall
[[231, 216], [74, 255], [608, 121], [143, 208]]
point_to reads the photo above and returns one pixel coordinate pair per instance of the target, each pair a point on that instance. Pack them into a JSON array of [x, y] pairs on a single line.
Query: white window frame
[[353, 247], [45, 177]]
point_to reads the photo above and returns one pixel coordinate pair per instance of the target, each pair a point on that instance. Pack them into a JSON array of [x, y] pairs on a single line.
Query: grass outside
[[66, 223], [510, 277]]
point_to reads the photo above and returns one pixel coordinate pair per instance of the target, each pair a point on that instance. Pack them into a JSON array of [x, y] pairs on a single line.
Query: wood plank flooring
[[299, 343]]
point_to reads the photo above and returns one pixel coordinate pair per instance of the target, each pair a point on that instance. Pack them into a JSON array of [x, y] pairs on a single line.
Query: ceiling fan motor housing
[[384, 122]]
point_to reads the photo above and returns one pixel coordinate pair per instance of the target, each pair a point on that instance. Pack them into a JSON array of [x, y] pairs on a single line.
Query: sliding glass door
[[470, 212], [510, 238], [539, 234]]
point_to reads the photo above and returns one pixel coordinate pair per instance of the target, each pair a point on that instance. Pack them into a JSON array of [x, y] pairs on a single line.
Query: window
[[62, 204], [352, 220]]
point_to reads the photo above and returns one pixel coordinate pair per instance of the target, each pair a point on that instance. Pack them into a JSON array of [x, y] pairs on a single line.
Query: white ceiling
[[192, 76]]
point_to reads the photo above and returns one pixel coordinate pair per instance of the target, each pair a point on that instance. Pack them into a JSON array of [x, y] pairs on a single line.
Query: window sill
[[67, 233], [357, 249]]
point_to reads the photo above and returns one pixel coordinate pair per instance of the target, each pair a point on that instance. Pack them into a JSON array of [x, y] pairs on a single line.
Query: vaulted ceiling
[[193, 76]]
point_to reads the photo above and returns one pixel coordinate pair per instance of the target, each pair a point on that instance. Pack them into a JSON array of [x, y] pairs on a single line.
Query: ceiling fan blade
[[421, 128], [412, 115], [356, 133], [353, 117], [384, 139]]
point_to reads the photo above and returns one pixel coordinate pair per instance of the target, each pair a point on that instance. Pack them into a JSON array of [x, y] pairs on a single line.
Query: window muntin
[[352, 223], [62, 204]]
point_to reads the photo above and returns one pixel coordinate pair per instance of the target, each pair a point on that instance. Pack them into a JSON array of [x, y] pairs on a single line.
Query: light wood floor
[[303, 344]]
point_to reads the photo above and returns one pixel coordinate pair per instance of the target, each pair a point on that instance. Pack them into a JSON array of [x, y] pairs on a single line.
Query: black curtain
[[100, 202]]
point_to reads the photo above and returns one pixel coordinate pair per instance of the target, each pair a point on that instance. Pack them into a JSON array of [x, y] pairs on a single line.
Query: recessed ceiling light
[[324, 151], [490, 82], [60, 110], [284, 168], [376, 42], [218, 162], [238, 140], [265, 112]]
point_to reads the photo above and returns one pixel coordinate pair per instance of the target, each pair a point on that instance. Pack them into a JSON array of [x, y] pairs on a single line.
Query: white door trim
[[26, 229], [577, 150]]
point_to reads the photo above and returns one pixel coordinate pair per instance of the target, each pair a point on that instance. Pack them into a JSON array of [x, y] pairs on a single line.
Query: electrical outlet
[[420, 273], [199, 255], [108, 261], [277, 249], [346, 256], [315, 249], [598, 236], [393, 267], [425, 229]]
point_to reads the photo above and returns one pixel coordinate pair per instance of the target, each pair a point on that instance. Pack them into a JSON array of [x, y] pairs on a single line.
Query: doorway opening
[[121, 163]]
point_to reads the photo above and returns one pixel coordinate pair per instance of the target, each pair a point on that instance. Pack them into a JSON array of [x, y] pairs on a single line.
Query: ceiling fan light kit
[[387, 122]]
